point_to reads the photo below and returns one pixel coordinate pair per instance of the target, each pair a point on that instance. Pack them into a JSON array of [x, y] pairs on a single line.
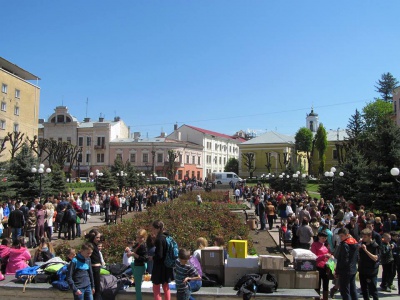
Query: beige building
[[19, 98], [93, 136]]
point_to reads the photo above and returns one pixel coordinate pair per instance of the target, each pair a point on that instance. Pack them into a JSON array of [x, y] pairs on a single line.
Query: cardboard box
[[271, 262], [307, 280], [286, 277], [233, 274], [212, 257], [305, 264], [237, 249], [248, 262]]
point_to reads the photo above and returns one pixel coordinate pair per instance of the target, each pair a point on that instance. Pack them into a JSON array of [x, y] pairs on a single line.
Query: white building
[[217, 147]]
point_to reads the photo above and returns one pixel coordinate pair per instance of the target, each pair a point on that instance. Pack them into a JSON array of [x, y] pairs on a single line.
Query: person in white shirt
[[348, 214]]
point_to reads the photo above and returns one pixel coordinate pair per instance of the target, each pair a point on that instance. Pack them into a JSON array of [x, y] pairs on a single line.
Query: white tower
[[312, 121]]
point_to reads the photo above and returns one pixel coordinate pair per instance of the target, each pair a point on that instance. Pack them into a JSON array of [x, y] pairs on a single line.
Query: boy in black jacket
[[368, 265]]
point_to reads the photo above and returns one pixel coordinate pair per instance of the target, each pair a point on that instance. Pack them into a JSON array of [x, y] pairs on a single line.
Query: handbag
[[267, 284]]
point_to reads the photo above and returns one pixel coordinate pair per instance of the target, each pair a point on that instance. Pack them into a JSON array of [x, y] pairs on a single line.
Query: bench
[[283, 241], [117, 215]]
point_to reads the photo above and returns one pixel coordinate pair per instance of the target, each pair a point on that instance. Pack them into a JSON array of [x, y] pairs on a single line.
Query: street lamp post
[[96, 175], [121, 175], [40, 171], [330, 175]]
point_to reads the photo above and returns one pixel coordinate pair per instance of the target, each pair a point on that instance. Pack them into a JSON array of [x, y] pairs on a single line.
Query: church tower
[[312, 121]]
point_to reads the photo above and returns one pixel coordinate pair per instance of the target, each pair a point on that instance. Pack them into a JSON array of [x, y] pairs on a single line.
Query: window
[[208, 145], [192, 174], [80, 141], [2, 124], [60, 119], [119, 156], [230, 149], [180, 174], [60, 139], [3, 106], [132, 157], [198, 175], [335, 154], [16, 127], [101, 140], [88, 141], [187, 159], [16, 110], [220, 160], [145, 157], [88, 158], [80, 157], [100, 157], [17, 93], [208, 159], [159, 157], [69, 140], [229, 175], [216, 146], [198, 160], [180, 158], [193, 159], [224, 160], [312, 126], [4, 88]]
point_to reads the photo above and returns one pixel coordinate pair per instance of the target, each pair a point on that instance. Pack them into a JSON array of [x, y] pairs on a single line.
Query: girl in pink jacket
[[18, 257]]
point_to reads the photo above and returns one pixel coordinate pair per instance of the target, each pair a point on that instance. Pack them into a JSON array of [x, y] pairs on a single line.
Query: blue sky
[[219, 65]]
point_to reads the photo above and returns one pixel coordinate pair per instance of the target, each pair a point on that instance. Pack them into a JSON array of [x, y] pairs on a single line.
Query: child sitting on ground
[[4, 251], [44, 252]]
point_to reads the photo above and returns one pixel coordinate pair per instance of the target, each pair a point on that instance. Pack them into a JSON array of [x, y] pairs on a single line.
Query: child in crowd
[[184, 272], [100, 246], [18, 256], [387, 262], [4, 251], [201, 243], [70, 253], [44, 252], [80, 275], [30, 228]]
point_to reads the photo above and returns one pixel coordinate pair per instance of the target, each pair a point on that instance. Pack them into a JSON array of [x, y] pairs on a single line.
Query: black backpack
[[250, 284]]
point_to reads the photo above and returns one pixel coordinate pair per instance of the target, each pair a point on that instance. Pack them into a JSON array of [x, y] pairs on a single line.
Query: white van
[[162, 179], [225, 177]]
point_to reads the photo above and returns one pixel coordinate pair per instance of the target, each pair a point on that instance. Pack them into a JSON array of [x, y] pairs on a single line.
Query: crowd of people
[[356, 238]]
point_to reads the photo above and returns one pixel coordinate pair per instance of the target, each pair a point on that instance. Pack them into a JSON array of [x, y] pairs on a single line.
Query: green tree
[[386, 85], [116, 171], [23, 183], [304, 142], [171, 164], [376, 111], [321, 143], [132, 177], [58, 180], [232, 165], [355, 128], [107, 181]]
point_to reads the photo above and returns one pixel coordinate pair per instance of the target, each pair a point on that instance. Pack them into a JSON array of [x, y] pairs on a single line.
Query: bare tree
[[249, 161], [39, 146], [16, 140], [171, 165]]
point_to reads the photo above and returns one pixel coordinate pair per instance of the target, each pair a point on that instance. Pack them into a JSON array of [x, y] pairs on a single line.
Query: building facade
[[218, 148], [19, 98], [93, 136]]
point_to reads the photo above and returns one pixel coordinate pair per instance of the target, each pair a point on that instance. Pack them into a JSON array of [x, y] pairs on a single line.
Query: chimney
[[175, 127], [117, 119], [163, 134], [136, 136], [41, 121], [101, 119], [86, 120], [179, 135]]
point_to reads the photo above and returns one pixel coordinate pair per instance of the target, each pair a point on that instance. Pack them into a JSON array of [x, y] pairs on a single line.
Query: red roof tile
[[205, 131]]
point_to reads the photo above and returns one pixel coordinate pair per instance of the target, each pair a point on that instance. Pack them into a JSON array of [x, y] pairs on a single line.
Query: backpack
[[26, 275], [250, 284], [172, 252], [72, 216]]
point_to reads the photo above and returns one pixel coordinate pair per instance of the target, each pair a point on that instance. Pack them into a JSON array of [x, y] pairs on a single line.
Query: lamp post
[[330, 175], [40, 171], [121, 175], [96, 175]]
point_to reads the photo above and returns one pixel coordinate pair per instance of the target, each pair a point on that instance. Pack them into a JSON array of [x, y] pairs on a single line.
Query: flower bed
[[184, 220]]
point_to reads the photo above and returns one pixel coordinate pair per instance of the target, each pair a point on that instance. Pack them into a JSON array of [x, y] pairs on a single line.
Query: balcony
[[103, 146]]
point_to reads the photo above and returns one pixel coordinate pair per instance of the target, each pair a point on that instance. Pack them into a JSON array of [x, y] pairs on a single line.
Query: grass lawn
[[312, 188]]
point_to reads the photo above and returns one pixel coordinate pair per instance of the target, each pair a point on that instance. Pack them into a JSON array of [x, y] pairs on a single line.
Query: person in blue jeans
[[80, 275]]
